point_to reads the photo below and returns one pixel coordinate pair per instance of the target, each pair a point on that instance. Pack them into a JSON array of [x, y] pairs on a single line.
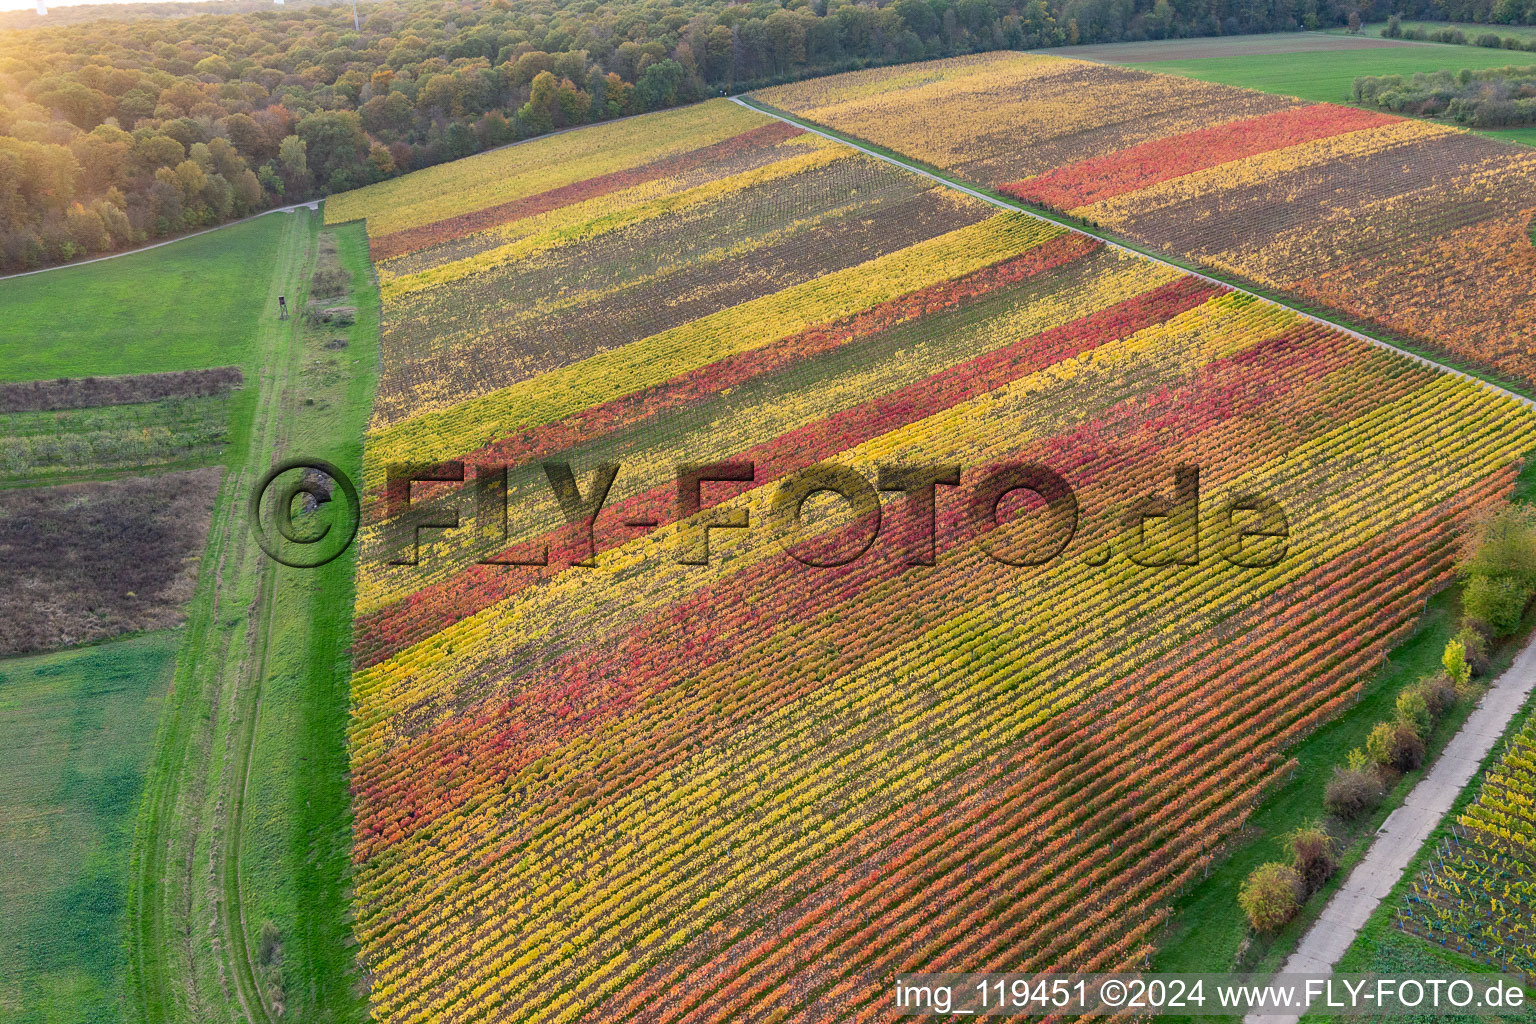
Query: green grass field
[[187, 305], [1523, 135], [1330, 77], [77, 728]]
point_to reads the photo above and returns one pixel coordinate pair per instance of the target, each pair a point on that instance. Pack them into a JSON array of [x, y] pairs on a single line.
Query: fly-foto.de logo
[[1022, 514]]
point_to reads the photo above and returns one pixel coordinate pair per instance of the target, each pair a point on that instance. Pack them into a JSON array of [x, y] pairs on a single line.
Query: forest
[[115, 133]]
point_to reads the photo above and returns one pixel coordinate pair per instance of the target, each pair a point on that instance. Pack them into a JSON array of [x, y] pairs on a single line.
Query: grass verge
[[295, 869]]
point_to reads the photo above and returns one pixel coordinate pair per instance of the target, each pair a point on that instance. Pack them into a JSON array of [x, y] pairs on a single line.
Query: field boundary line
[[1408, 828], [1121, 246]]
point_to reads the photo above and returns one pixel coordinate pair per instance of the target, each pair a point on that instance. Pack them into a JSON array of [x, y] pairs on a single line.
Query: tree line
[[113, 133], [1484, 98]]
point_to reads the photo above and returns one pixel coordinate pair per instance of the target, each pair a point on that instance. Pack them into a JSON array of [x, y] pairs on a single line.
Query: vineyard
[[750, 789], [1479, 895], [1406, 225]]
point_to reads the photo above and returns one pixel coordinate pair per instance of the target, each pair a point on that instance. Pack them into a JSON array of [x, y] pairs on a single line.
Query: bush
[[1312, 855], [1454, 661], [1271, 896], [1502, 543], [1474, 649], [330, 282], [1491, 41], [1439, 694], [1407, 748], [1394, 29], [1413, 711], [335, 316], [1395, 745], [1496, 604], [1379, 744], [1353, 791]]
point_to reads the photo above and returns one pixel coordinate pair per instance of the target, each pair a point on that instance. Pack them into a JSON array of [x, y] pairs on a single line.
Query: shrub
[[1312, 852], [1413, 711], [1474, 648], [1439, 694], [1490, 40], [1502, 543], [1394, 29], [330, 282], [1379, 744], [1395, 745], [1408, 748], [336, 316], [1271, 896], [1454, 660], [1353, 791], [1496, 604]]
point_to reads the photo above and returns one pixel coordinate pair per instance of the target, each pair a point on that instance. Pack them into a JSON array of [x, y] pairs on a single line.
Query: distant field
[[182, 306], [1223, 46], [1525, 135], [76, 729], [1328, 77]]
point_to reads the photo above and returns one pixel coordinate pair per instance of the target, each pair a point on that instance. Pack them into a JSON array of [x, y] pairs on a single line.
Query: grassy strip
[[1450, 361], [295, 868]]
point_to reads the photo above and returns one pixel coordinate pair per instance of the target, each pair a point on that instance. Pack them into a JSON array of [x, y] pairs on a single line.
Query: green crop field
[[76, 728], [1329, 77], [182, 306]]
